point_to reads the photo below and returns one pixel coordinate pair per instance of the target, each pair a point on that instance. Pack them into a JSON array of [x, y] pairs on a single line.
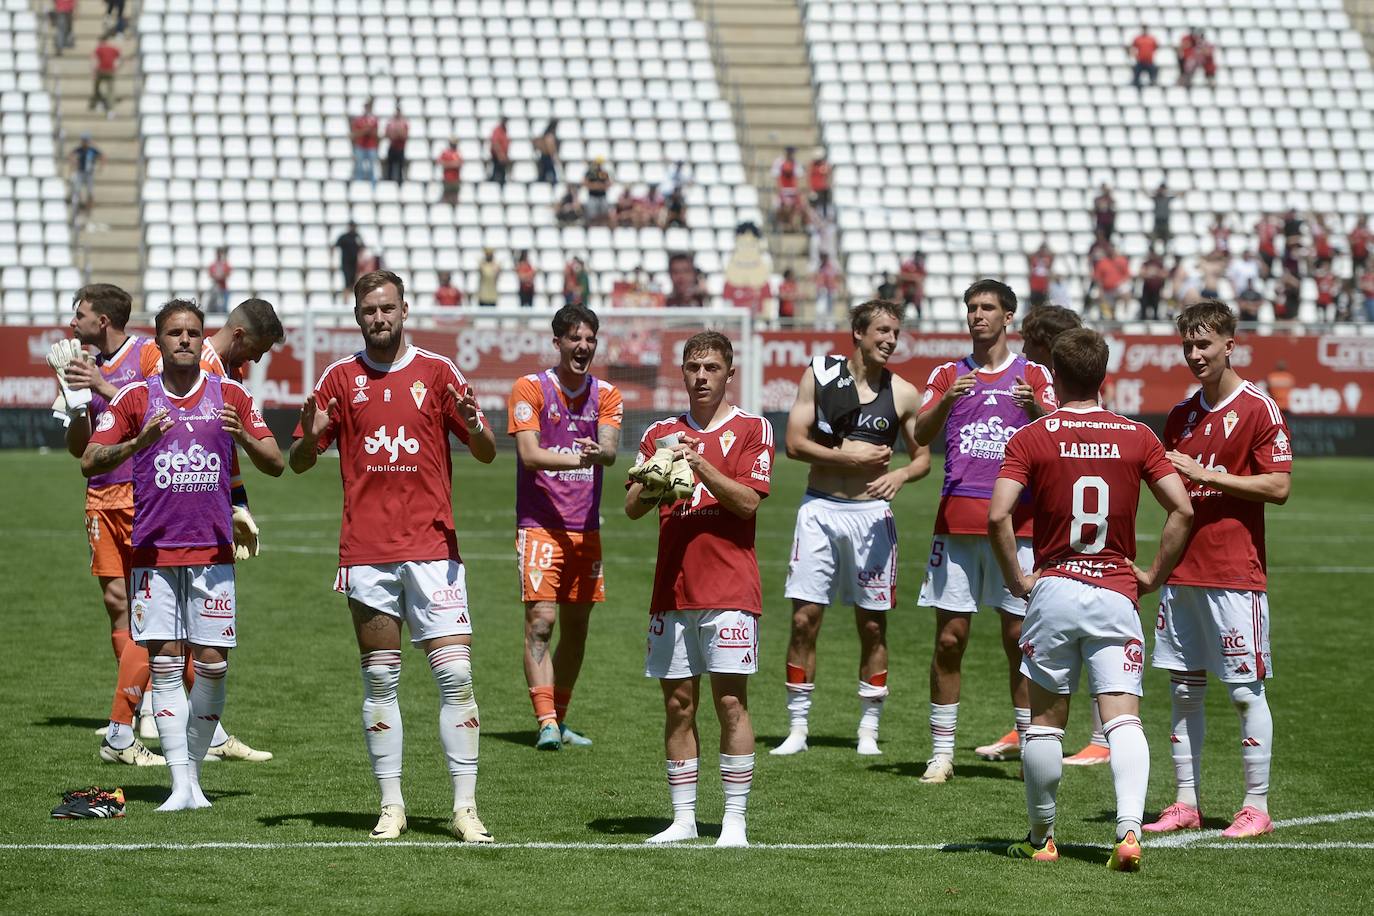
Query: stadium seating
[[244, 119], [972, 130], [36, 272]]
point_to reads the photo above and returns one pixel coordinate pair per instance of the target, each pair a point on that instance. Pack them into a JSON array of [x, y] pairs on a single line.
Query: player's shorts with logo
[[1224, 631], [110, 533], [431, 596], [689, 643], [962, 575], [844, 550], [1071, 625], [562, 566], [192, 603]]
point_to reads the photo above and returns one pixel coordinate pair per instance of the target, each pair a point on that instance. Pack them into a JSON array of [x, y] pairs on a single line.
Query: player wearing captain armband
[[706, 472], [177, 430], [849, 414], [1082, 468]]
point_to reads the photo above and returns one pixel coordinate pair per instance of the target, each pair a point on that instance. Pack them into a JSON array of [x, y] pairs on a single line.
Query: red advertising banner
[[1146, 374]]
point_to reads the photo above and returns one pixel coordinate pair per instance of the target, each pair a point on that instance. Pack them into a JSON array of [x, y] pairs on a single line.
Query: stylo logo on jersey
[[985, 439], [192, 471], [393, 446]]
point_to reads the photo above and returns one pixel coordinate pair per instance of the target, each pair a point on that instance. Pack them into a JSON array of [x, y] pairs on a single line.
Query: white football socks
[[1257, 741], [207, 705], [799, 691], [118, 735], [382, 721], [1189, 727], [172, 715], [944, 720], [736, 776], [458, 723], [682, 791], [1043, 763], [1130, 771], [1022, 715]]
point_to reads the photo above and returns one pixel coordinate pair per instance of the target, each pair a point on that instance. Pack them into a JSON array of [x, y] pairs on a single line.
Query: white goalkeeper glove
[[681, 480], [654, 472], [245, 534], [61, 355]]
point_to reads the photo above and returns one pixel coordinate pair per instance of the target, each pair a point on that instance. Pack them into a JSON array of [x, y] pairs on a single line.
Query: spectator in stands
[[1360, 240], [61, 16], [397, 133], [104, 65], [85, 159], [1153, 276], [679, 179], [498, 149], [1280, 384], [447, 293], [1206, 54], [1112, 274], [450, 163], [788, 212], [546, 147], [827, 282], [675, 210], [911, 277], [368, 261], [1040, 267], [1185, 285], [1292, 227], [218, 271], [886, 289], [1059, 290], [653, 209], [1288, 296], [568, 210], [818, 180], [524, 278], [597, 182], [788, 291], [1367, 291], [625, 209], [1213, 269], [1143, 50], [577, 283], [1244, 277], [1163, 202], [362, 130], [1221, 235], [1328, 290], [1322, 249], [1266, 235], [488, 275], [1187, 56], [349, 244], [684, 290], [114, 16], [1104, 213]]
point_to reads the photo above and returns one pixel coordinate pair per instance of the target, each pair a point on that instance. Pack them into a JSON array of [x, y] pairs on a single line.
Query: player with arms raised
[[1230, 441], [1082, 467], [979, 402], [847, 417], [390, 408], [566, 424], [703, 617], [179, 428]]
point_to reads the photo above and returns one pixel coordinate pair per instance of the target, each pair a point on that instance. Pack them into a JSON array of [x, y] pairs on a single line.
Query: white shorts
[[685, 644], [431, 596], [1221, 630], [844, 551], [962, 575], [1070, 624], [191, 603]]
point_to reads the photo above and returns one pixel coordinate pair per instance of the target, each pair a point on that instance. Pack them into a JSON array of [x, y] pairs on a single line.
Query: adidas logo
[[1250, 742], [209, 718], [164, 714], [748, 658], [990, 400], [1243, 669], [470, 723], [379, 727], [1173, 739]]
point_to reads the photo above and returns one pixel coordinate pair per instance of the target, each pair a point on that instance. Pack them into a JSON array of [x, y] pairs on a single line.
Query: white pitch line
[[1194, 840]]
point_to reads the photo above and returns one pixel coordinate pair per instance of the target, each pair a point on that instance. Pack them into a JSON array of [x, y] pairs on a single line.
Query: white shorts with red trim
[[844, 551], [191, 603], [1070, 626], [431, 596], [962, 575], [685, 644], [1221, 630]]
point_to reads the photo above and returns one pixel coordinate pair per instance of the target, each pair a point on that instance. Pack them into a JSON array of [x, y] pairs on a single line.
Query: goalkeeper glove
[[61, 355], [654, 472], [681, 480], [245, 534]]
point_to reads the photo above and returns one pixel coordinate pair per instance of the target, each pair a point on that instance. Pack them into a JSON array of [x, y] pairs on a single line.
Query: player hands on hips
[[178, 429], [566, 424], [1230, 443], [978, 402], [390, 408], [848, 416], [1081, 468], [706, 471]]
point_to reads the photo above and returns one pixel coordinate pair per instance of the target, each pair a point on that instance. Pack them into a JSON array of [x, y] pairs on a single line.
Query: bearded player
[[849, 413], [979, 402], [390, 408], [1230, 442], [177, 430], [703, 616], [566, 424], [1082, 467]]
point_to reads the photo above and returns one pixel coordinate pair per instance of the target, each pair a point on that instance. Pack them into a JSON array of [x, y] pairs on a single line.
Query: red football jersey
[[706, 557], [392, 424], [1083, 468], [1244, 434]]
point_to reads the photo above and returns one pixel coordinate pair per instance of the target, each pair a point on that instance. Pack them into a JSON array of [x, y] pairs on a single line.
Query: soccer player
[[390, 408], [703, 617], [177, 429], [979, 402], [1082, 467], [847, 418], [566, 424], [1230, 442]]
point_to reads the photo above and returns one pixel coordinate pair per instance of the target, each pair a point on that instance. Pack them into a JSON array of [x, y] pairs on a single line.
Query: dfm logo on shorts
[[985, 439], [1135, 657], [381, 440], [192, 470]]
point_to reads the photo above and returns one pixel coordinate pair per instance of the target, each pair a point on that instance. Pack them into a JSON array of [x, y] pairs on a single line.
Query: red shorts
[[110, 532], [561, 566]]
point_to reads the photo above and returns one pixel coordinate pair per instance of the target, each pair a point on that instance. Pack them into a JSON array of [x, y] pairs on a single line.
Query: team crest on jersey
[[727, 441], [106, 422], [1052, 425], [1229, 422], [524, 412], [536, 579], [417, 393], [360, 382]]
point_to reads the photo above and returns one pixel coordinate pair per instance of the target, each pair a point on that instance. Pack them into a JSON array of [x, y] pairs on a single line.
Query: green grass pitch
[[294, 688]]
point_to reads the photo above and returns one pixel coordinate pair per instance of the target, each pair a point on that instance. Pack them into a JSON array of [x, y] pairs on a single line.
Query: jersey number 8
[[1082, 517]]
